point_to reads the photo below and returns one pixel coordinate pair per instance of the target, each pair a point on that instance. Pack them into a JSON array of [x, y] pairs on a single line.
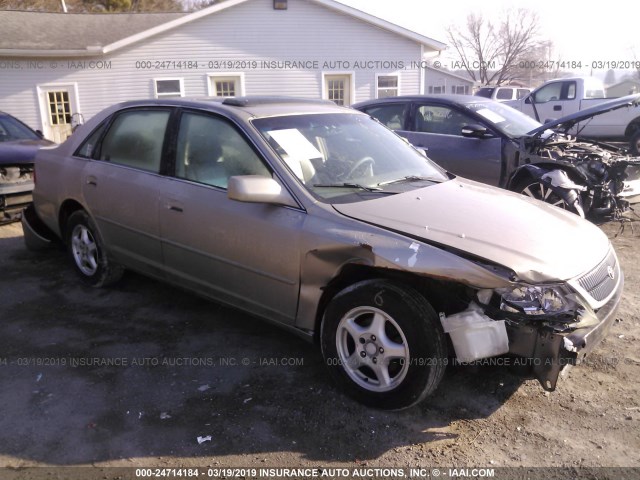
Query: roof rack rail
[[253, 101]]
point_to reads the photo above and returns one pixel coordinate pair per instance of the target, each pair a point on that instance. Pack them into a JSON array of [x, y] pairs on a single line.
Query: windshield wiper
[[348, 185], [409, 178]]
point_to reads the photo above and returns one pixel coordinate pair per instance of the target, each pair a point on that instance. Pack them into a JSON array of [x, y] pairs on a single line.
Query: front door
[[59, 110], [244, 254], [337, 88], [437, 129]]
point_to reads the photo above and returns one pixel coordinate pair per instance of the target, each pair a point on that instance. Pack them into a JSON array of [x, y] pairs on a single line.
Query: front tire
[[87, 252], [384, 344], [634, 143]]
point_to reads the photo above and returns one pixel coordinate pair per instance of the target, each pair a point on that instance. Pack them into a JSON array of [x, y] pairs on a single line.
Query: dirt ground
[[191, 368]]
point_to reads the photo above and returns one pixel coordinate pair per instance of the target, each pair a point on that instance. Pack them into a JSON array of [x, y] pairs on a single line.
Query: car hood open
[[540, 243], [568, 121]]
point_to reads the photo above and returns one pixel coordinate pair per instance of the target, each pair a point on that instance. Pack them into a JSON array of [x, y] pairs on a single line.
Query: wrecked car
[[18, 146], [492, 143], [319, 219]]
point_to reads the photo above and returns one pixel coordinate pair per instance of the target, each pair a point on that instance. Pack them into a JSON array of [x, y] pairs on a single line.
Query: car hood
[[540, 243], [569, 121], [20, 151]]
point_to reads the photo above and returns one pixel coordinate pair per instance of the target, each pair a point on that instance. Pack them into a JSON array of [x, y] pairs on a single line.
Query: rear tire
[[384, 344], [88, 254]]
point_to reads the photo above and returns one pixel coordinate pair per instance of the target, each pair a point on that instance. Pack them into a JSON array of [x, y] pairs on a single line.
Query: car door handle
[[174, 206], [91, 180], [557, 108]]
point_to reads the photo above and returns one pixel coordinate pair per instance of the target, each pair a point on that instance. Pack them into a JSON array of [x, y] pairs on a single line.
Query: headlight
[[537, 299]]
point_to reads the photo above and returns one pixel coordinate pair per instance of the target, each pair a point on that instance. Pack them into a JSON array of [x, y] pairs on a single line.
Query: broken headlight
[[536, 299]]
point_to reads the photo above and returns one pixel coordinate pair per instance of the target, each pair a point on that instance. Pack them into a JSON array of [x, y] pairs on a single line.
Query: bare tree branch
[[494, 53]]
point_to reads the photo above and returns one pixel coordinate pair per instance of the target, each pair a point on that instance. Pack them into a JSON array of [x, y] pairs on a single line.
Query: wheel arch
[[441, 294], [536, 171], [632, 128], [67, 208]]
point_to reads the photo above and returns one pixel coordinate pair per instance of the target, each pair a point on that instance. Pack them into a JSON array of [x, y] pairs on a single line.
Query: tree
[[495, 53], [94, 6]]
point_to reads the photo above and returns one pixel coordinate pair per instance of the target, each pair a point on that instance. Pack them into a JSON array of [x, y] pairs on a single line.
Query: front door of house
[[337, 88], [59, 105]]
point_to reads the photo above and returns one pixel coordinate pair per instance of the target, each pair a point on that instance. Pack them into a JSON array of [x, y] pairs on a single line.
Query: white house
[[439, 81], [57, 69]]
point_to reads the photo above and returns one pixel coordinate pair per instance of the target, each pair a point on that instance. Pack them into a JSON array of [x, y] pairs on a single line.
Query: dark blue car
[[492, 143]]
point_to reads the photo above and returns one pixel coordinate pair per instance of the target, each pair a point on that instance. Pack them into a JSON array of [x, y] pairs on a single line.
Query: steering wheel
[[359, 164]]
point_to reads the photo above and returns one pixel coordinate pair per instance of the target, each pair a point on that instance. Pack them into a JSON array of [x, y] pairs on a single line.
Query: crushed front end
[[16, 184], [551, 326], [607, 177]]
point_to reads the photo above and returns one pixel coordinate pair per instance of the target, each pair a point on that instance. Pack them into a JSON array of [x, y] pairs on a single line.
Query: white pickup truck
[[565, 96]]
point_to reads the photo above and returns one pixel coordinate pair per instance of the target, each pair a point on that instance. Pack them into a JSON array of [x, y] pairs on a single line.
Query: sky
[[580, 31]]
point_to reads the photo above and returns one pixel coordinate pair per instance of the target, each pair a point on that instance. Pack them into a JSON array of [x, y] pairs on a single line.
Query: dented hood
[[540, 243]]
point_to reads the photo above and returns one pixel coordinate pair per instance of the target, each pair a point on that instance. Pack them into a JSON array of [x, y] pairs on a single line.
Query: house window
[[437, 90], [387, 86], [226, 85], [460, 89], [59, 108], [169, 88]]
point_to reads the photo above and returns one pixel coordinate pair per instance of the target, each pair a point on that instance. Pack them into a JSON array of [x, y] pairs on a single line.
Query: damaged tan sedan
[[321, 220]]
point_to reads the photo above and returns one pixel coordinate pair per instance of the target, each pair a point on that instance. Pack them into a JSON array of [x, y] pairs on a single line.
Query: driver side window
[[548, 93], [440, 120]]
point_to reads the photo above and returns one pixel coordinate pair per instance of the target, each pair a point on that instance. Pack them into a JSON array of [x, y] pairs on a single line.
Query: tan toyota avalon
[[319, 219]]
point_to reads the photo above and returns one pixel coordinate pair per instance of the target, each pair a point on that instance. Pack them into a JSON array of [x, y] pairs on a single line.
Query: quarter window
[[135, 139], [210, 151]]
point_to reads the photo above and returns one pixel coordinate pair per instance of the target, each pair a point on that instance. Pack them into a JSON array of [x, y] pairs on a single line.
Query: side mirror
[[39, 133], [475, 131], [258, 189]]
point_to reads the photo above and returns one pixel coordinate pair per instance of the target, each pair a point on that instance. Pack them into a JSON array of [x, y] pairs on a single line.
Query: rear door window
[[392, 115], [135, 139]]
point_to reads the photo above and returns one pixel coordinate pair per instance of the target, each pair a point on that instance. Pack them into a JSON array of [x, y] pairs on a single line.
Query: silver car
[[321, 220]]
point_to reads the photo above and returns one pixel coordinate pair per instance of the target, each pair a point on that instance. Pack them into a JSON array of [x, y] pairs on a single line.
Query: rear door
[[437, 128], [245, 254], [120, 185]]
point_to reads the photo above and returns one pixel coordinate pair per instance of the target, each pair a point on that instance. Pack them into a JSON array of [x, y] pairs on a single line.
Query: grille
[[598, 282]]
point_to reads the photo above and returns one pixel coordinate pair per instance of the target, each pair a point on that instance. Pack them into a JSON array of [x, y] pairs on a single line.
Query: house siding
[[251, 32], [438, 79]]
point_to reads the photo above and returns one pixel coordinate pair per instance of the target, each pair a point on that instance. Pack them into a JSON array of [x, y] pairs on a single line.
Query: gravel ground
[[191, 368]]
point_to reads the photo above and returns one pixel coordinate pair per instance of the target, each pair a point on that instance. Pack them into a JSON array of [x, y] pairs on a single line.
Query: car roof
[[449, 99], [245, 107]]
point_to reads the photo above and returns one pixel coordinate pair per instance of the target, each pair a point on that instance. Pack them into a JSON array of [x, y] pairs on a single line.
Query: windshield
[[347, 155], [11, 129], [507, 120]]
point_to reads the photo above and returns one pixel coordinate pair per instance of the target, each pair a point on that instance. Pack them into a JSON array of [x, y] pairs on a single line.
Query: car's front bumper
[[548, 351], [14, 197]]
